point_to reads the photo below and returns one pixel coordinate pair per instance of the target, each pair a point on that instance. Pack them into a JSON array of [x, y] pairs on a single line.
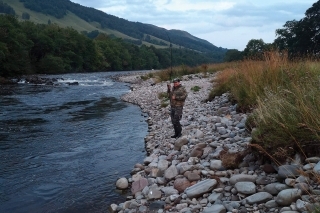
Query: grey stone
[[242, 178], [313, 160], [271, 204], [157, 205], [171, 172], [154, 194], [231, 205], [263, 180], [247, 188], [169, 191], [216, 164], [163, 165], [260, 197], [214, 196], [287, 196], [183, 167], [180, 142], [316, 168], [289, 171], [301, 205], [308, 166], [143, 209], [201, 188], [217, 208]]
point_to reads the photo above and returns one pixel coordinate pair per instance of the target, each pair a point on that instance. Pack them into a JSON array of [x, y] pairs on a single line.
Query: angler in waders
[[177, 95]]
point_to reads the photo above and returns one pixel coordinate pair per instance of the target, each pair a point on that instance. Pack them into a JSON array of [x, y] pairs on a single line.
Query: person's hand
[[173, 97]]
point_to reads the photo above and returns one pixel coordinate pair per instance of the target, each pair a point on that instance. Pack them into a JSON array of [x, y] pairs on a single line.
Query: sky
[[228, 24]]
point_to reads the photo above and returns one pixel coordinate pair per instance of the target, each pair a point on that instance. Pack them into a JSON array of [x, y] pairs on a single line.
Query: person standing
[[177, 95]]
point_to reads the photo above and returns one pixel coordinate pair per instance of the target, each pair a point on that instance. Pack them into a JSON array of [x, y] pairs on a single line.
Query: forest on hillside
[[136, 30], [29, 48]]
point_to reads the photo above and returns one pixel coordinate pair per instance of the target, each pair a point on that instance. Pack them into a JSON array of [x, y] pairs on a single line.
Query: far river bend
[[63, 147]]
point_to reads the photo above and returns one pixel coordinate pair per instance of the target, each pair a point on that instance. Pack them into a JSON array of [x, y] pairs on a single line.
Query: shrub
[[164, 97], [195, 88]]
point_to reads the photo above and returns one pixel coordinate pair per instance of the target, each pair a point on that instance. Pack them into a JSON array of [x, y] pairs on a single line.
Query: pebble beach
[[210, 168]]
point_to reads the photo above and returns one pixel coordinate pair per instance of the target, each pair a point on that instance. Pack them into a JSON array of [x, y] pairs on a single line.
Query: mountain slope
[[66, 13]]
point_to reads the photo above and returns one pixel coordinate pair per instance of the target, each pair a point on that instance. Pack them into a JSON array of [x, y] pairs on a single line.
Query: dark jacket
[[180, 94]]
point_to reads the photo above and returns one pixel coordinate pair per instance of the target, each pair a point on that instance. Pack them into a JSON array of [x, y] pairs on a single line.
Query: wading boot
[[175, 132], [178, 132]]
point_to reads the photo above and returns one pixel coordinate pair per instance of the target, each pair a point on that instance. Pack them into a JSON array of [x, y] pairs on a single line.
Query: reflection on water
[[98, 109], [62, 148]]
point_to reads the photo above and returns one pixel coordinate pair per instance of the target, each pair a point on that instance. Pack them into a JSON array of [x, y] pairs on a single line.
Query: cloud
[[229, 24], [187, 5]]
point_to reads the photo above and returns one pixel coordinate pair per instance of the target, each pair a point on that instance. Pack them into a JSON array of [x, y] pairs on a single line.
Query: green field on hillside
[[73, 21], [70, 20]]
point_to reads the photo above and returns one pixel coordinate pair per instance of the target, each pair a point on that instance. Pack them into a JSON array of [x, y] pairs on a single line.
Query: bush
[[51, 64], [195, 88], [164, 97]]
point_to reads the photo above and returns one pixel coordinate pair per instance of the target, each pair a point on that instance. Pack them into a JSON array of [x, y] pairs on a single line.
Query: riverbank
[[210, 168]]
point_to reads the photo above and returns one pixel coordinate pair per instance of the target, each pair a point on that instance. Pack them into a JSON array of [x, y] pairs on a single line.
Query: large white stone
[[122, 183]]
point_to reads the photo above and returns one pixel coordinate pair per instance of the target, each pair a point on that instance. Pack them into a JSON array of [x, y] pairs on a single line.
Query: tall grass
[[175, 72], [179, 71], [285, 98]]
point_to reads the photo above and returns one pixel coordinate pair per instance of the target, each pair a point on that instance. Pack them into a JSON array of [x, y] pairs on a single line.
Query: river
[[63, 147]]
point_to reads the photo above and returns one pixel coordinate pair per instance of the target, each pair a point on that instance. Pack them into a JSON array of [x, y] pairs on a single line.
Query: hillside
[[68, 14]]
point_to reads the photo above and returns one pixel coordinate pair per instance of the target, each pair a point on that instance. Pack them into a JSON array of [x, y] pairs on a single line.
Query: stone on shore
[[242, 178], [201, 188], [139, 185], [260, 197], [122, 183], [287, 196]]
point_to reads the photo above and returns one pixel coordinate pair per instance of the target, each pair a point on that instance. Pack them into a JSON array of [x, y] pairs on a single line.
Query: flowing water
[[63, 147]]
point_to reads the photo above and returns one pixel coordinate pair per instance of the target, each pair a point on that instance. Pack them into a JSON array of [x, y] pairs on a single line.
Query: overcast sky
[[228, 24]]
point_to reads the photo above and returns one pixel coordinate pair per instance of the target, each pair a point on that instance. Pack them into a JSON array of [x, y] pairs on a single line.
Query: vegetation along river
[[63, 147]]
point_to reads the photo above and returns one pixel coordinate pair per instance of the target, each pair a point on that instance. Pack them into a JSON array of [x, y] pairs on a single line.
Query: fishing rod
[[171, 56]]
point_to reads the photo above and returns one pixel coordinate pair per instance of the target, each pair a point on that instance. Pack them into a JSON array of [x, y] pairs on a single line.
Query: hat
[[176, 80]]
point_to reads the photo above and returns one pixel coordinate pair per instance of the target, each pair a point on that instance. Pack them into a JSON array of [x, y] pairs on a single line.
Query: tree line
[[29, 48], [299, 38]]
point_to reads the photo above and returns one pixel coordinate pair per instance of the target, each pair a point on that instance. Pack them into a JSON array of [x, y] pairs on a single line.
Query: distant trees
[[92, 34], [233, 55], [57, 8], [301, 37], [25, 16], [14, 47], [255, 48], [7, 9]]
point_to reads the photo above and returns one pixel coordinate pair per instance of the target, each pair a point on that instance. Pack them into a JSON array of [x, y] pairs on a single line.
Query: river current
[[63, 147]]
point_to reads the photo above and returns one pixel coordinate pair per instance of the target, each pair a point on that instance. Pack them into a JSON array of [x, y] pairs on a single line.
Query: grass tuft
[[196, 89], [164, 98]]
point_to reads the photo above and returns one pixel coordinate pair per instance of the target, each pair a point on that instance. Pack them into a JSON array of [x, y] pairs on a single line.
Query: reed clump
[[284, 98]]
